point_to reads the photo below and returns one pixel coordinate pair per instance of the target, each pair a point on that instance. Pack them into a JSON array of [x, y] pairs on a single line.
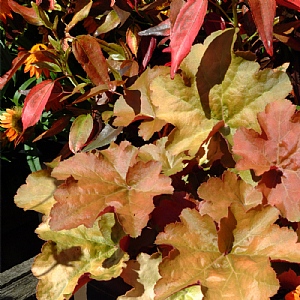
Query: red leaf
[[149, 50], [289, 280], [16, 63], [213, 22], [184, 31], [46, 4], [35, 103], [89, 54], [56, 127], [293, 4], [27, 13], [263, 14]]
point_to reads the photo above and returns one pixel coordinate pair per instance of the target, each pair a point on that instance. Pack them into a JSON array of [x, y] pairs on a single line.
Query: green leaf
[[52, 67], [42, 16], [82, 12], [70, 254], [190, 293], [115, 51], [245, 91], [80, 132], [112, 20]]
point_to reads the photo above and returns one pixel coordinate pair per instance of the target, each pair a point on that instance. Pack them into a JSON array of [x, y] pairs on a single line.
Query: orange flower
[[11, 119], [293, 295], [36, 55], [5, 11]]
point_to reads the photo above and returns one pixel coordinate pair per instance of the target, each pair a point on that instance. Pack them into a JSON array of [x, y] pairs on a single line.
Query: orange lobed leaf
[[263, 14], [275, 154], [233, 190], [110, 178], [226, 275]]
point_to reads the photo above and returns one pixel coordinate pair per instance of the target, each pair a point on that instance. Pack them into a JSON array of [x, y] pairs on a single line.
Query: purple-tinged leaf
[[105, 137], [162, 29]]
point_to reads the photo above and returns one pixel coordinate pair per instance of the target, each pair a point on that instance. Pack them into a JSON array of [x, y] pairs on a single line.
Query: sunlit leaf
[[110, 178], [142, 274], [185, 29], [28, 13], [107, 135], [263, 13], [79, 132], [37, 193], [274, 152], [35, 103], [88, 53], [81, 14], [256, 240], [73, 253], [112, 20], [136, 104], [232, 190], [171, 164]]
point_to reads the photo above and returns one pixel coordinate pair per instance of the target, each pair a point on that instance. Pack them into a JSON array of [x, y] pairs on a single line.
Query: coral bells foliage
[[181, 160]]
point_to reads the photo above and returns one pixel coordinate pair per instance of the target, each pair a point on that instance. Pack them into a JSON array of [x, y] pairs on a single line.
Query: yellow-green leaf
[[69, 254], [256, 240], [37, 193]]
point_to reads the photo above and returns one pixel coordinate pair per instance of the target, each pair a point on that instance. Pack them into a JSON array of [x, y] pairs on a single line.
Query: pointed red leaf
[[35, 103], [56, 128], [28, 13], [263, 14], [89, 54], [185, 29], [16, 63], [293, 4]]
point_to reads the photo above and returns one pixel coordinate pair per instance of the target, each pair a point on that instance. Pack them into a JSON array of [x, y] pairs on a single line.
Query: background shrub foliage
[[178, 161]]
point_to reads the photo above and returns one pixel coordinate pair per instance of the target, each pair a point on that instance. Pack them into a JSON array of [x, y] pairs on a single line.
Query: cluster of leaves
[[181, 170]]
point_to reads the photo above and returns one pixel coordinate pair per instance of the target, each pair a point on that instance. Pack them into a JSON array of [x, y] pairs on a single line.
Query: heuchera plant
[[181, 171]]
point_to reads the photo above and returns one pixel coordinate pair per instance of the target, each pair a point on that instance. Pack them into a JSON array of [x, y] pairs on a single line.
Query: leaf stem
[[234, 12], [222, 10]]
